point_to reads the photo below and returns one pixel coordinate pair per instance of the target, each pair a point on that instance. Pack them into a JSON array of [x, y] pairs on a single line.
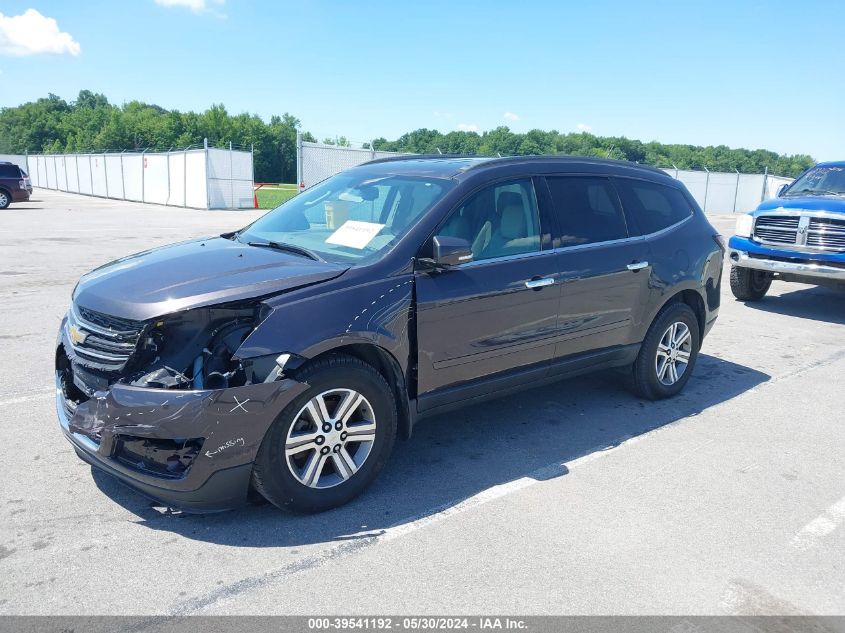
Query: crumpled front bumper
[[224, 429]]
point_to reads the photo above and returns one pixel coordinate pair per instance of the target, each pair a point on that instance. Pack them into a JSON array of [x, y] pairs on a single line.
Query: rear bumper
[[788, 264], [21, 195]]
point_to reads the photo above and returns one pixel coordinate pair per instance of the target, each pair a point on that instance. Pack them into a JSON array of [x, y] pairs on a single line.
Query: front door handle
[[536, 284], [637, 266]]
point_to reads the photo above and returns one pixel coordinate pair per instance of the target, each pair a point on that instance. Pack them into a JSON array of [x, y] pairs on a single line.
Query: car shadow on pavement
[[815, 302], [455, 456]]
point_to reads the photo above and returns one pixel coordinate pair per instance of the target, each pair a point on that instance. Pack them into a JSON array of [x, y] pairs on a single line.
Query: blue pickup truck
[[798, 236]]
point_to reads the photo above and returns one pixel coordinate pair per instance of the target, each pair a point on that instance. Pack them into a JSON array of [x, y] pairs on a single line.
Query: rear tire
[[310, 459], [668, 353], [5, 199], [748, 284]]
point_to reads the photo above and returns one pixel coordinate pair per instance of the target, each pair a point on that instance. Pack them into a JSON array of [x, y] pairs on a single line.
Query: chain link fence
[[317, 161], [720, 192]]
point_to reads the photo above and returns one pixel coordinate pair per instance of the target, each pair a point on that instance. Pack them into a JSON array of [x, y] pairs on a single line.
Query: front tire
[[748, 284], [668, 353], [332, 441]]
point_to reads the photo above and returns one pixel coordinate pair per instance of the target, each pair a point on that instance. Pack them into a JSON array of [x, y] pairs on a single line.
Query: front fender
[[377, 313]]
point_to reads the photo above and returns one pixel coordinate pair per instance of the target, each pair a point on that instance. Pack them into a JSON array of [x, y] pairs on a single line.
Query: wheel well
[[696, 302], [384, 363]]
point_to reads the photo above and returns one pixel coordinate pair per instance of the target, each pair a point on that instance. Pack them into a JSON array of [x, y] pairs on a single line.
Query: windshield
[[348, 218], [819, 181]]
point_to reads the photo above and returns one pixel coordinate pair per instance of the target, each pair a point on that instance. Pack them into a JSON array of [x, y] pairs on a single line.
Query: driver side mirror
[[447, 252], [781, 189]]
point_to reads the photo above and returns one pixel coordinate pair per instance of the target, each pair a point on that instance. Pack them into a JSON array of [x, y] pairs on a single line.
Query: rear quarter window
[[10, 171], [651, 207]]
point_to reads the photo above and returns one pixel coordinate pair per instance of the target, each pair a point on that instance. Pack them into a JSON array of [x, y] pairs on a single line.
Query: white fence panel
[[85, 184], [71, 167], [61, 173], [156, 176], [133, 168], [42, 171], [99, 185], [51, 172], [230, 184], [176, 167], [33, 171], [750, 192], [196, 193], [219, 173], [114, 175]]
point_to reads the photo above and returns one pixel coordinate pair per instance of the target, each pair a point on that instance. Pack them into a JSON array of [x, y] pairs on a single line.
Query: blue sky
[[744, 74]]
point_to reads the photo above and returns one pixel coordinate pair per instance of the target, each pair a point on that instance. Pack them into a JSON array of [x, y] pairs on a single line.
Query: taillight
[[22, 184], [720, 241]]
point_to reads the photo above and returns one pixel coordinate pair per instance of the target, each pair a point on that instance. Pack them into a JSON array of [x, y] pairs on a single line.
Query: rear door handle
[[637, 266], [536, 284]]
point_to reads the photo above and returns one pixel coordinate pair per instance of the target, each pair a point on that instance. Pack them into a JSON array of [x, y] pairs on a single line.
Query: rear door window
[[587, 210], [10, 171], [651, 207]]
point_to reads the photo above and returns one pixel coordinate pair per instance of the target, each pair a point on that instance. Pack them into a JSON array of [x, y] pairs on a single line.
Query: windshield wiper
[[818, 192], [289, 248]]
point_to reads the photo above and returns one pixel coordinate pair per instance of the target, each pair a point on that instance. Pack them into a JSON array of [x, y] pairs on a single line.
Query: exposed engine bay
[[193, 349]]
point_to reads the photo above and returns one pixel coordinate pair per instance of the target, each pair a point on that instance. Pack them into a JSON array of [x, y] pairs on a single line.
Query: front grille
[[804, 232], [826, 234], [101, 341], [774, 229]]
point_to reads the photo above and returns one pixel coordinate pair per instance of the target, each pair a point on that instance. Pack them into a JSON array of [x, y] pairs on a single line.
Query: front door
[[497, 313]]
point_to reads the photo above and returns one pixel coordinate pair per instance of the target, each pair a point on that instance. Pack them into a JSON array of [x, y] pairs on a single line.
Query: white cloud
[[468, 127], [32, 33], [510, 116], [196, 6], [583, 127]]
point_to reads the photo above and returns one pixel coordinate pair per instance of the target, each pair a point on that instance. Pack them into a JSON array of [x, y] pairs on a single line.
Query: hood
[[835, 204], [194, 274]]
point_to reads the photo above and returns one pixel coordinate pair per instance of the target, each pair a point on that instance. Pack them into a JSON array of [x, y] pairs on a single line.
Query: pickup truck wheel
[[748, 284], [332, 441], [668, 353], [5, 199]]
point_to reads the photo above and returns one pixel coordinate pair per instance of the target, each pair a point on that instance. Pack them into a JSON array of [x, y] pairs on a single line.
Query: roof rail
[[565, 158], [487, 161], [390, 159]]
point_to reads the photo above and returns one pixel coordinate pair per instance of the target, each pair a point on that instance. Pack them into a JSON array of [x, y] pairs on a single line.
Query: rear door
[[604, 269], [497, 313]]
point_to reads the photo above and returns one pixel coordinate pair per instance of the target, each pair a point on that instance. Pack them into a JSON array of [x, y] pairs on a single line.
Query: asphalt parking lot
[[575, 498]]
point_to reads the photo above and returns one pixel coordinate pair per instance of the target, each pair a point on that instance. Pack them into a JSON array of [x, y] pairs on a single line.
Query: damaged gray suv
[[287, 357]]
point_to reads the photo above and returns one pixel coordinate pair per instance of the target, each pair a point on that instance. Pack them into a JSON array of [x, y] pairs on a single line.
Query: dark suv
[[288, 356], [15, 185]]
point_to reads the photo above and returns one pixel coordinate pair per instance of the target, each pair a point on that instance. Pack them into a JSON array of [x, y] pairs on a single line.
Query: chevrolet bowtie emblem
[[76, 335]]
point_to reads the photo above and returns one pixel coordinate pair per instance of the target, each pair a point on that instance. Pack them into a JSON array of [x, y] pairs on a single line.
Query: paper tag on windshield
[[355, 234]]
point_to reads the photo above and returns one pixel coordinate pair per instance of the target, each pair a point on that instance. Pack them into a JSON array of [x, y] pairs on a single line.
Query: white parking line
[[30, 398], [821, 526]]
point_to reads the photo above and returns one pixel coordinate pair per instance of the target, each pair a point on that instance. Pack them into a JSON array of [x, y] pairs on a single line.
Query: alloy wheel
[[330, 439], [673, 353]]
